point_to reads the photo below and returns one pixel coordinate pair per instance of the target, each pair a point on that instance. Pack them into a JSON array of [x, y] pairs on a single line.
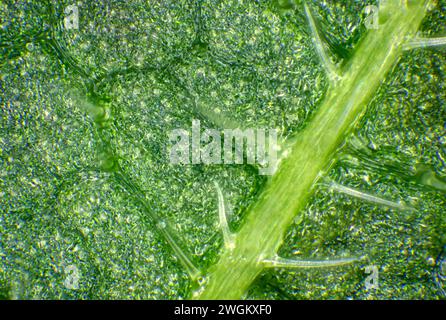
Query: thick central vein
[[289, 189]]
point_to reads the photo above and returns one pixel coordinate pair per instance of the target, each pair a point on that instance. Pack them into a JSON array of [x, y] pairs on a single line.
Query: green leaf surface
[[85, 178]]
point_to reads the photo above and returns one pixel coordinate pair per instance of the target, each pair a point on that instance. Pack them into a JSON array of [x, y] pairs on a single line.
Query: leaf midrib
[[289, 189]]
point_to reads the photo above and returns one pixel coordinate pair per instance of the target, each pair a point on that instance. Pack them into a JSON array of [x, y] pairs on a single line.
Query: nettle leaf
[[91, 205]]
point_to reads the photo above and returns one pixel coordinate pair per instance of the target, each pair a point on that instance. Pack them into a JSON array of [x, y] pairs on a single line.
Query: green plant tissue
[[91, 206]]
